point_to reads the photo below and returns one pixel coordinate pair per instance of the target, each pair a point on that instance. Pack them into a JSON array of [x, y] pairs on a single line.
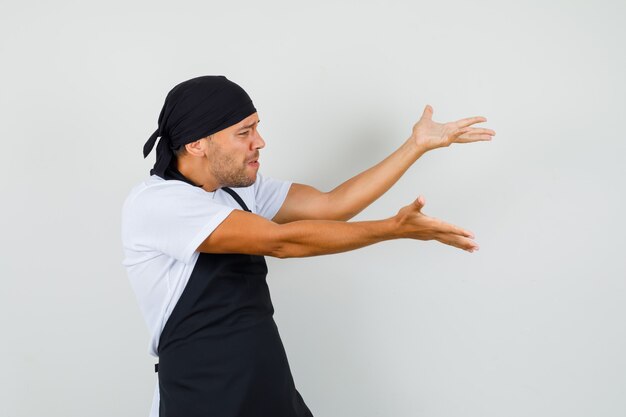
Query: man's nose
[[258, 142]]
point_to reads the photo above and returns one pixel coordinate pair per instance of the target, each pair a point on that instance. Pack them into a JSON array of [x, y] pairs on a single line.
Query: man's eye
[[243, 133]]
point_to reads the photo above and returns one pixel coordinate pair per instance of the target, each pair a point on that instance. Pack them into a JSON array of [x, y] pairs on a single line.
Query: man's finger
[[473, 138], [470, 121], [459, 242], [448, 228], [472, 134], [419, 202], [461, 131], [481, 130], [427, 113]]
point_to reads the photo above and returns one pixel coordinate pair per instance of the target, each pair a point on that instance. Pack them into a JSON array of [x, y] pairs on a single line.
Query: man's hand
[[414, 224], [429, 135]]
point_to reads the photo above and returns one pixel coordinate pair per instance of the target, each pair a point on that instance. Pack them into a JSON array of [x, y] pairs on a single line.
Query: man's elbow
[[277, 244], [344, 217], [283, 251], [280, 253], [293, 251], [285, 242], [333, 209]]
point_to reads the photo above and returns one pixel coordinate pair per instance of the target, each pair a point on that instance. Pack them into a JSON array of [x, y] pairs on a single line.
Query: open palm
[[431, 135]]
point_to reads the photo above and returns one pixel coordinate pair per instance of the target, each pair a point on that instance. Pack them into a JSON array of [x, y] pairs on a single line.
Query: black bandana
[[195, 109]]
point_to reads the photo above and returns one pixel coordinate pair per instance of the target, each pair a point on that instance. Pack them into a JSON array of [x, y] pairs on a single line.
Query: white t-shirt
[[164, 222]]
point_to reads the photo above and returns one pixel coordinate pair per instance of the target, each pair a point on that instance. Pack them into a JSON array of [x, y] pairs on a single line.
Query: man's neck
[[197, 175]]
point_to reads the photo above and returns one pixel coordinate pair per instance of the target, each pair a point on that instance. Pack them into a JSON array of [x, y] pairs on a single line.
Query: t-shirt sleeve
[[173, 218], [269, 195]]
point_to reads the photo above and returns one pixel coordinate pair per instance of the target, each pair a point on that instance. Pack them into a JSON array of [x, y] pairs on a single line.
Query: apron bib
[[220, 353]]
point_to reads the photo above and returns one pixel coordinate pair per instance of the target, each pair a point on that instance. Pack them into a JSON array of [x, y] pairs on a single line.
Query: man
[[195, 233]]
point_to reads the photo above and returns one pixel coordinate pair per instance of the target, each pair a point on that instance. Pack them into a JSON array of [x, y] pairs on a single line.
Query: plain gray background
[[532, 324]]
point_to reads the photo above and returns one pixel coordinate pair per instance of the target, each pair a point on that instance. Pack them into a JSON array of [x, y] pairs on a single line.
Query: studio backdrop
[[530, 325]]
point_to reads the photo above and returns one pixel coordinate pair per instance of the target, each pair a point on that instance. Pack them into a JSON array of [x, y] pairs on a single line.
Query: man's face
[[233, 153]]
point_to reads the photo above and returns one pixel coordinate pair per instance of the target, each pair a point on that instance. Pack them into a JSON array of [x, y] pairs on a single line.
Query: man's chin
[[251, 179]]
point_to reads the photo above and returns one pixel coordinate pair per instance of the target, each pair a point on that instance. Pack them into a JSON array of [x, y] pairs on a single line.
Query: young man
[[196, 231]]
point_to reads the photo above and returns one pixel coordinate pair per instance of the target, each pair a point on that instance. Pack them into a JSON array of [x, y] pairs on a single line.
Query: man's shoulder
[[265, 185], [155, 191], [155, 185]]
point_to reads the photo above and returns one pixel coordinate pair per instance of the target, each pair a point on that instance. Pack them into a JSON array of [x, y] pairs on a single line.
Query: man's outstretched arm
[[248, 233], [351, 197]]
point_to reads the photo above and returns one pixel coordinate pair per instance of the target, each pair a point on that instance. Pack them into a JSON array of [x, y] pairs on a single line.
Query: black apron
[[220, 353]]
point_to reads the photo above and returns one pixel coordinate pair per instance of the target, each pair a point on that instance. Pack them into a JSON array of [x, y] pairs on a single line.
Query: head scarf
[[194, 109]]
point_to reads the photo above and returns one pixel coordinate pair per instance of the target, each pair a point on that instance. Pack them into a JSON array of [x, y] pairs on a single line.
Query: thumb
[[428, 112], [419, 202]]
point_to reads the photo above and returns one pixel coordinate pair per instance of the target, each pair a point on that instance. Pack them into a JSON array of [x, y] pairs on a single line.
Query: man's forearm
[[354, 195], [321, 237]]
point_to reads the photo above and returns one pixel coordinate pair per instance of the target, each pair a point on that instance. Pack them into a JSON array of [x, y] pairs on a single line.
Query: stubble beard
[[228, 172]]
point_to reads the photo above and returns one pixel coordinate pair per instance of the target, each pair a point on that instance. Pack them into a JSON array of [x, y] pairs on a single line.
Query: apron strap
[[236, 197]]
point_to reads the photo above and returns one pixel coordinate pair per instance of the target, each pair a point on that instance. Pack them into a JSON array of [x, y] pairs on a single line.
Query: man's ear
[[197, 147]]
